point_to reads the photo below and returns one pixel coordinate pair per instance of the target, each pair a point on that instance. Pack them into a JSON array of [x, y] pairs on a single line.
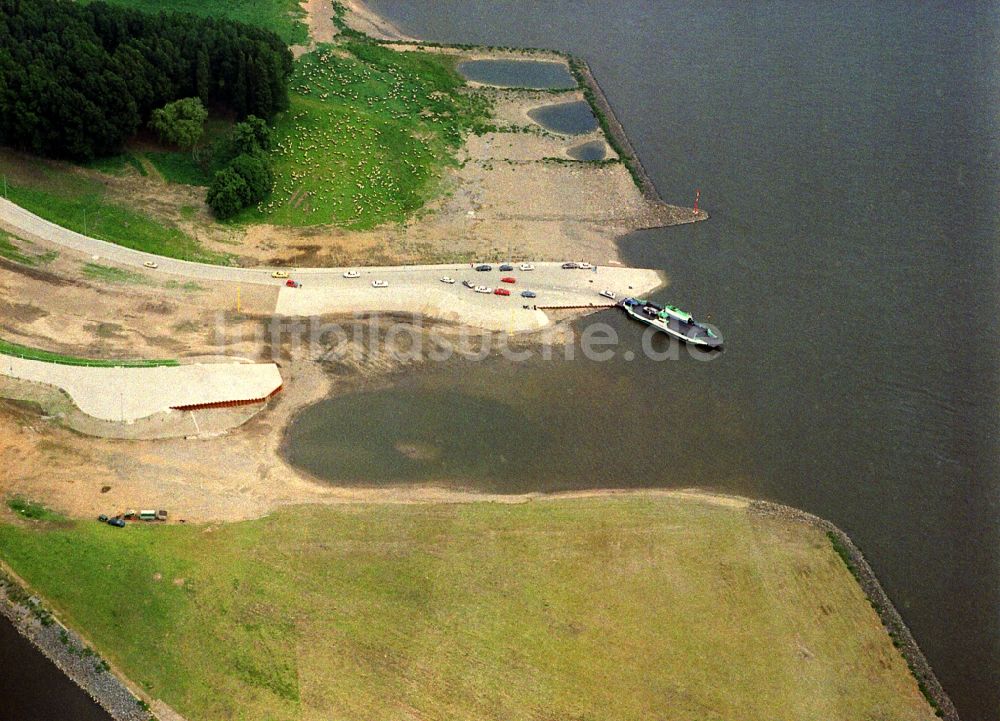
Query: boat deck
[[692, 331]]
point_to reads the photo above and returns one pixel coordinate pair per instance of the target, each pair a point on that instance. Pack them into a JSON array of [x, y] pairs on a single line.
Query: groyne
[[897, 629]]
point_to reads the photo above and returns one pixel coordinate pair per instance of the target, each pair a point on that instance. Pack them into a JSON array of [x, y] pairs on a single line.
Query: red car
[[502, 291], [293, 283], [508, 279]]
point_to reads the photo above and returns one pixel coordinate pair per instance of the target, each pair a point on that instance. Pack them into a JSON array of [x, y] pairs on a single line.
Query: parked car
[[279, 274], [352, 274], [570, 265], [526, 266], [380, 284], [102, 518], [609, 294], [117, 523], [584, 266], [483, 267], [483, 289], [293, 283], [448, 279], [506, 267], [508, 279], [529, 294], [150, 264], [469, 284], [502, 291]]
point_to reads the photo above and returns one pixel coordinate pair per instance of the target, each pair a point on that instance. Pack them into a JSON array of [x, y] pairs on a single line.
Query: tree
[[226, 194], [257, 175], [180, 123], [77, 79], [203, 76], [251, 136]]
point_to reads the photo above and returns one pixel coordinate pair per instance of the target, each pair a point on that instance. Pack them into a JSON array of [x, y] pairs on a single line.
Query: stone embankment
[[69, 653]]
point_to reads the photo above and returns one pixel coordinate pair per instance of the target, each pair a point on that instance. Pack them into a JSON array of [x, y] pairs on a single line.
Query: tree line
[[76, 81]]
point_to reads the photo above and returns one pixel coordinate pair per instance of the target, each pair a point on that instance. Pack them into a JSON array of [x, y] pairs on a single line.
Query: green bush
[[227, 194], [246, 177], [256, 174]]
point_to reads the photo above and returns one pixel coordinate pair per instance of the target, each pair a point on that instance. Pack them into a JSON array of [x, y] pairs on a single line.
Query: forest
[[77, 81]]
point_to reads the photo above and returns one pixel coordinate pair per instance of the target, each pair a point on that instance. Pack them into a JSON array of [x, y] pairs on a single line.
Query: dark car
[[117, 523], [529, 294], [506, 267], [484, 266], [102, 518], [571, 265]]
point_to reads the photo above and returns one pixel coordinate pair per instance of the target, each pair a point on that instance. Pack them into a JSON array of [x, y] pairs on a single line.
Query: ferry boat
[[672, 321]]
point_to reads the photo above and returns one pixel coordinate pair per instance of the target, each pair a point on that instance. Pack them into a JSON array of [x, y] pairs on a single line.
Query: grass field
[[116, 164], [284, 17], [179, 167], [367, 135], [113, 274], [618, 608], [68, 197], [21, 351], [19, 254]]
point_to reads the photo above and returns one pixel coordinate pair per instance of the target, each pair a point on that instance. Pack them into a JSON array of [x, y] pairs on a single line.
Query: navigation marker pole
[[697, 196]]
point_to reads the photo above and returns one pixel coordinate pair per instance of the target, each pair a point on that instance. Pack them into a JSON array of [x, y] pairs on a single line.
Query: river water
[[848, 155], [32, 688]]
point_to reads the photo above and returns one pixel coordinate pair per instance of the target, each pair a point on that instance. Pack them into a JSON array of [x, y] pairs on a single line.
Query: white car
[[352, 274], [609, 294], [279, 274], [448, 280], [380, 284], [526, 266], [150, 264], [585, 266], [483, 289]]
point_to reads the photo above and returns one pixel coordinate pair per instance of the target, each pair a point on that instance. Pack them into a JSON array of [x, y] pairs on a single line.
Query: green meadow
[[367, 136], [603, 608]]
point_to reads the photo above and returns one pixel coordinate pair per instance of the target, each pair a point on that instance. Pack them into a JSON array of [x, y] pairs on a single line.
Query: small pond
[[518, 74], [588, 152], [574, 118]]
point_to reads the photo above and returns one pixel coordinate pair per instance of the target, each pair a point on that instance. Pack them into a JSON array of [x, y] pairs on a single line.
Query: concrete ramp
[[128, 394], [507, 315]]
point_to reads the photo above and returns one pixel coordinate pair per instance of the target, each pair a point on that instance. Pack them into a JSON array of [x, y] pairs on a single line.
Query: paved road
[[413, 289]]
